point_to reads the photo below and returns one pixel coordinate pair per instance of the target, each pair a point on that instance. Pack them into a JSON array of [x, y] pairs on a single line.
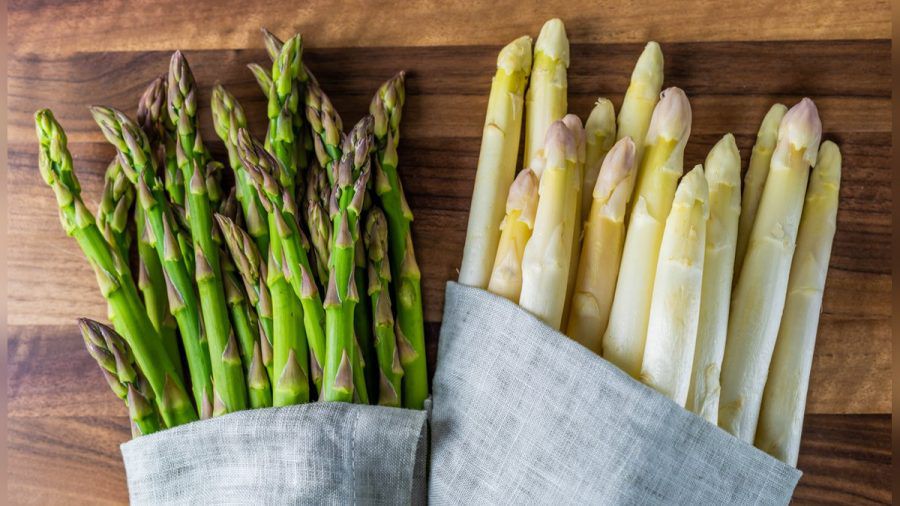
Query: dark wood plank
[[75, 460], [109, 25]]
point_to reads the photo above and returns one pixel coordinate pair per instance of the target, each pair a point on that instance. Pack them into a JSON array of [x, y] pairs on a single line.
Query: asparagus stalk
[[573, 123], [515, 231], [254, 275], [546, 99], [784, 399], [151, 117], [229, 385], [326, 127], [758, 298], [136, 157], [661, 166], [545, 263], [317, 222], [496, 162], [228, 118], [115, 206], [675, 305], [755, 179], [390, 370], [342, 371], [284, 116], [386, 108], [604, 235], [641, 98], [723, 175], [113, 275], [116, 362], [600, 135], [297, 324]]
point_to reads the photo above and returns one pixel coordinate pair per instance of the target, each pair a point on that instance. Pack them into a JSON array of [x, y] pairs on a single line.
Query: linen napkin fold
[[320, 453], [523, 415]]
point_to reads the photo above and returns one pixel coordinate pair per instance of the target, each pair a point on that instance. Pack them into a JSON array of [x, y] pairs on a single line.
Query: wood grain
[[733, 60], [120, 25]]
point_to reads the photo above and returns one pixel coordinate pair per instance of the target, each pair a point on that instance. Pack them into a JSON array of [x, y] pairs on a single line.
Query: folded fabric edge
[[782, 468]]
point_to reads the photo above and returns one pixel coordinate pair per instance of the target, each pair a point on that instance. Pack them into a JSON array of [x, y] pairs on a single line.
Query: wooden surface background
[[733, 60]]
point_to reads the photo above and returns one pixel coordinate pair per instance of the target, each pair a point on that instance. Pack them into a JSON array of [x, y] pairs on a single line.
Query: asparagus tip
[[618, 165], [516, 56], [802, 127], [553, 41], [671, 118]]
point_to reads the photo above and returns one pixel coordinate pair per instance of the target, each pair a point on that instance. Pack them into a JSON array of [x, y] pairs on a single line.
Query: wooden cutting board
[[733, 59]]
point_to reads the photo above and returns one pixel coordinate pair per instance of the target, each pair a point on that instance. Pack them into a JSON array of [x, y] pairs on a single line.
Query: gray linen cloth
[[523, 415], [321, 453]]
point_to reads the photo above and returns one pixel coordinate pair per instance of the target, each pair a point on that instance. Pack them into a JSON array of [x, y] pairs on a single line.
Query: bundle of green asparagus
[[710, 298], [298, 283]]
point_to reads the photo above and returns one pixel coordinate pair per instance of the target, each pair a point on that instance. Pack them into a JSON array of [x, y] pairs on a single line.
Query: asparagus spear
[[604, 235], [600, 135], [291, 336], [723, 174], [758, 298], [755, 179], [316, 217], [675, 304], [573, 123], [115, 206], [386, 108], [661, 166], [136, 157], [229, 385], [228, 118], [515, 230], [641, 98], [284, 116], [784, 399], [546, 100], [151, 116], [342, 373], [254, 275], [326, 127], [390, 370], [496, 162], [546, 262], [113, 275], [116, 362]]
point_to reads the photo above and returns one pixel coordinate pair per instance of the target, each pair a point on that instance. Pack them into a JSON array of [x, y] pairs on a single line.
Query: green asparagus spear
[[229, 384], [295, 299], [228, 118], [113, 275], [137, 160], [254, 273], [151, 116], [390, 370], [386, 108], [115, 206], [116, 362], [317, 222]]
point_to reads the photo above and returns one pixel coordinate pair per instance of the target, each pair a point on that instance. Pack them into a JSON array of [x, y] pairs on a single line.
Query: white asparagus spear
[[662, 165], [784, 400], [601, 253], [546, 100], [755, 180], [573, 123], [545, 264], [723, 174], [600, 135], [641, 97], [521, 205], [758, 299], [496, 162], [675, 305]]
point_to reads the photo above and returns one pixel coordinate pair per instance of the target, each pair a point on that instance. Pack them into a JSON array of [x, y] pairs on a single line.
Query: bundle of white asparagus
[[710, 296]]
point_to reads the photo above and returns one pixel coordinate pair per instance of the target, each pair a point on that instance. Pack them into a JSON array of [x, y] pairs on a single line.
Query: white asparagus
[[546, 100], [661, 167], [723, 174], [521, 205], [758, 299], [573, 123], [755, 179], [784, 400], [641, 97], [600, 135], [545, 264], [675, 304], [604, 235]]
